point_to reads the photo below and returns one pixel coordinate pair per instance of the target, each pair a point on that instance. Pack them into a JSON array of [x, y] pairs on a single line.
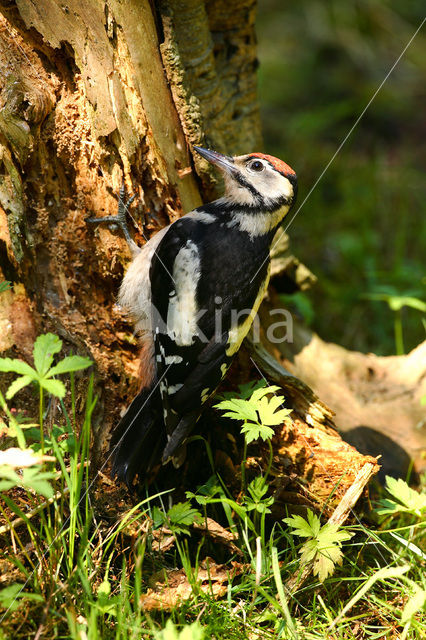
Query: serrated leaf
[[238, 409], [323, 548], [69, 364], [55, 387], [314, 523], [17, 385], [45, 348], [330, 533], [258, 488], [324, 566], [408, 499], [255, 431], [268, 415], [4, 286], [17, 366], [300, 526], [260, 393], [183, 515]]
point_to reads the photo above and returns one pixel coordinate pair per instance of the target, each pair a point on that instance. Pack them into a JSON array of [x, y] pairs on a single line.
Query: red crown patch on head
[[278, 164]]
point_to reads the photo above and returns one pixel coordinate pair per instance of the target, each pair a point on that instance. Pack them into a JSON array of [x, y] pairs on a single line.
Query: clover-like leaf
[[45, 348], [17, 366], [55, 387], [8, 478], [69, 364], [17, 385], [37, 480]]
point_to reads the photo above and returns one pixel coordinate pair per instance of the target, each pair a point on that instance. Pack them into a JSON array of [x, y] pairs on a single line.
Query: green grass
[[79, 566]]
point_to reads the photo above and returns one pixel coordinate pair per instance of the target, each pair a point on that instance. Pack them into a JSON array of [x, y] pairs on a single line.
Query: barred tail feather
[[139, 438]]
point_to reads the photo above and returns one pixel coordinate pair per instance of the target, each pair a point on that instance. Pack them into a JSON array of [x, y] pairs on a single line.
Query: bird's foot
[[120, 219]]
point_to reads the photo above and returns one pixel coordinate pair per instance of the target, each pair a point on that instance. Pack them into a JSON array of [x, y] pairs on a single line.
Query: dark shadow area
[[394, 460]]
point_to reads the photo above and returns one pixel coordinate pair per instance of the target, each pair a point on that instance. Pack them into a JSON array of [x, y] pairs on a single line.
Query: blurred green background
[[362, 231]]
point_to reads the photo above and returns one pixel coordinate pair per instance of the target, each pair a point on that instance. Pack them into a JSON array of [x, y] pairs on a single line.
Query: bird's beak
[[226, 163]]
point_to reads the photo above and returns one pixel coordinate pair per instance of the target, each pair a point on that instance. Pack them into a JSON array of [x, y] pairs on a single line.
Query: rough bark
[[96, 93], [92, 94]]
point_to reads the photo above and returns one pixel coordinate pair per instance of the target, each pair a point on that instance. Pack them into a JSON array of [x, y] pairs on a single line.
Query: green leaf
[[206, 491], [182, 514], [408, 499], [238, 409], [37, 480], [300, 526], [17, 366], [55, 387], [255, 431], [268, 414], [68, 364], [17, 385], [45, 348], [8, 478], [4, 286], [323, 548], [192, 631], [325, 562], [9, 596], [257, 489]]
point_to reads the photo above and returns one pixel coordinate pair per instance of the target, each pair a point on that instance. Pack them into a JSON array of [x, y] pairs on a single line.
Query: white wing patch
[[182, 311], [173, 359], [174, 388]]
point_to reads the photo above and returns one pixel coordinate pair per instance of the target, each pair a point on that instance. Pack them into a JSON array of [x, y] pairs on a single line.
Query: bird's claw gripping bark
[[120, 218]]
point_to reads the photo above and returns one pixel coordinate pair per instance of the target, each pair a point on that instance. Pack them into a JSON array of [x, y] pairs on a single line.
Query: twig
[[18, 521]]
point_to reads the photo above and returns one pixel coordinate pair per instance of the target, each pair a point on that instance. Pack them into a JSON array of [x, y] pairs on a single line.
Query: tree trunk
[[94, 94]]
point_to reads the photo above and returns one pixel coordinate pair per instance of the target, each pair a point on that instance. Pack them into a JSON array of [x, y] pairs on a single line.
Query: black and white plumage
[[186, 289]]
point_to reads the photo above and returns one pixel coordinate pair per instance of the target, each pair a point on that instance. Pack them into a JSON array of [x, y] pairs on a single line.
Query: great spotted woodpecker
[[193, 291]]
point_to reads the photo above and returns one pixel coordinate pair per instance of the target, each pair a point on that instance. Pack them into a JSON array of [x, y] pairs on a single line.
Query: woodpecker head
[[255, 181]]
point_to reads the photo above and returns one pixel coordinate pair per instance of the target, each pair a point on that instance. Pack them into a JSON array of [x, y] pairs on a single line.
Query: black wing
[[190, 290]]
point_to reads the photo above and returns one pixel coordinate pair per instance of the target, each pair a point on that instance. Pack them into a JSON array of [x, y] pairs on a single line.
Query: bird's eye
[[257, 165]]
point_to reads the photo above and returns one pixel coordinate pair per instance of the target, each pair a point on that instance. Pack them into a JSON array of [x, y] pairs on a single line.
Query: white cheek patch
[[276, 186], [182, 310]]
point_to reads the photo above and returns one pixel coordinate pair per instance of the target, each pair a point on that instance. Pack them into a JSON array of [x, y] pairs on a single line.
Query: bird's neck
[[255, 220]]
